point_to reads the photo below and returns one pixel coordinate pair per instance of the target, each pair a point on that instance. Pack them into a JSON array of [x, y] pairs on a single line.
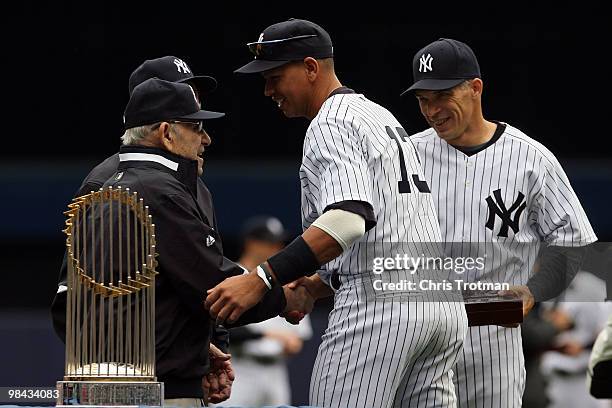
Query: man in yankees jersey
[[361, 184], [507, 195]]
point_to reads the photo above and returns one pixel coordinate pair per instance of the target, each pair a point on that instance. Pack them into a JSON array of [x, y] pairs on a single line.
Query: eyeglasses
[[257, 47], [197, 126]]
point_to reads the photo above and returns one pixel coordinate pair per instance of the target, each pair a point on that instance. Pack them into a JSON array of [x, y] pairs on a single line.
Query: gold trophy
[[110, 313]]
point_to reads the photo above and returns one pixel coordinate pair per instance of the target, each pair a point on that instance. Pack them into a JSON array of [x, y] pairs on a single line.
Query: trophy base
[[110, 393], [489, 308]]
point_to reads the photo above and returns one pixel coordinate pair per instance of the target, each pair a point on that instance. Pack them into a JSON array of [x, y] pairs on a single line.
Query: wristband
[[294, 261], [266, 277]]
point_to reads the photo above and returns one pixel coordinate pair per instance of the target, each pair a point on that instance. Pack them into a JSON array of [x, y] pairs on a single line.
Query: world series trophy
[[110, 314]]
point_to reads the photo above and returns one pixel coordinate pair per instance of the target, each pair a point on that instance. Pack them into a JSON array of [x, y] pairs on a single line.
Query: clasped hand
[[231, 298]]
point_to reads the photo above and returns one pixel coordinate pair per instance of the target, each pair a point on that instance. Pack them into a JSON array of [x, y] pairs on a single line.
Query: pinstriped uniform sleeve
[[561, 220], [335, 153]]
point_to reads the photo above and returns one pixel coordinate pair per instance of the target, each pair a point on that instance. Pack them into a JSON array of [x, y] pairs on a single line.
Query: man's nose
[[430, 110], [206, 140]]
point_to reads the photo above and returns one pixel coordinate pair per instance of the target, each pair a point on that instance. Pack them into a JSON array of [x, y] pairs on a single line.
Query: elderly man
[[161, 160], [169, 68]]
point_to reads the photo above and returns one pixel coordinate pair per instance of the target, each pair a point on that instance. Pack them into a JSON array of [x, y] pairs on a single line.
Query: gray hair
[[136, 135]]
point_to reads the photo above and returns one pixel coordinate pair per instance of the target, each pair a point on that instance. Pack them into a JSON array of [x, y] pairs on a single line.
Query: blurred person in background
[[557, 338], [566, 368]]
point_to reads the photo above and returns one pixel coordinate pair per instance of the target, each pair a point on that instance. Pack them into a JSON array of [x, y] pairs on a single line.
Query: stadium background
[[68, 88]]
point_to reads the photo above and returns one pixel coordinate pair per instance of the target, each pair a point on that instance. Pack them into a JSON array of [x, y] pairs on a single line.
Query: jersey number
[[404, 184]]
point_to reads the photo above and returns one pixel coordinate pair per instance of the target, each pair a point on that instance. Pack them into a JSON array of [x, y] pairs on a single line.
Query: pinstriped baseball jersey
[[376, 353], [355, 149], [512, 196]]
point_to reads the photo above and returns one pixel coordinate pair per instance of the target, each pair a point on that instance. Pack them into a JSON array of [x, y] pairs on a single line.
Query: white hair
[[136, 135]]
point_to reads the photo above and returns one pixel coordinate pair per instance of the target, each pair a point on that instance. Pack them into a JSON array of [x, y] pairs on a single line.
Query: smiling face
[[289, 88], [452, 111]]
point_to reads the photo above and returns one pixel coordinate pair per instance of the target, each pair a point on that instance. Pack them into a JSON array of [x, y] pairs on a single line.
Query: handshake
[[231, 298], [300, 300]]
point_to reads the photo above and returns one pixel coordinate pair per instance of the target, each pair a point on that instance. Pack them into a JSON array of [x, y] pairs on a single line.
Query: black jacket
[[190, 263], [94, 180], [187, 266]]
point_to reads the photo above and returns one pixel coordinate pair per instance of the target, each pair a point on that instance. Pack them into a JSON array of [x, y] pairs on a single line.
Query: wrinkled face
[[191, 141], [288, 87], [448, 111]]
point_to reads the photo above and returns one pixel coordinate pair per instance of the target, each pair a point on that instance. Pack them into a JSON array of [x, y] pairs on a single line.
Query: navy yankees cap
[[291, 40], [156, 100], [443, 64], [172, 69], [264, 228]]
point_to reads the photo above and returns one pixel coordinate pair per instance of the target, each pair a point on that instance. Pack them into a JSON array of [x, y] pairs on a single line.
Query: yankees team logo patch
[[210, 240], [498, 208], [425, 63]]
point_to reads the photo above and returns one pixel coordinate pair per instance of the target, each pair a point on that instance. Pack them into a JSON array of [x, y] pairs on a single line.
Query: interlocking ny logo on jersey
[[425, 63], [497, 207], [180, 65], [210, 240]]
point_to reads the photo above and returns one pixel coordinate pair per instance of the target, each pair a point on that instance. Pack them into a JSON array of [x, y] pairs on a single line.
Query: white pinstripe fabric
[[374, 353], [490, 371]]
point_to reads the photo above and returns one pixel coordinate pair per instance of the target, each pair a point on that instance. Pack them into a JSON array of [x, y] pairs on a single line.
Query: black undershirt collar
[[341, 90], [472, 150]]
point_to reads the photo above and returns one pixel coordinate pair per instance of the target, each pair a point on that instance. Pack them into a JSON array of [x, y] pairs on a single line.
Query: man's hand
[[299, 303], [217, 386], [218, 359], [315, 287], [217, 383], [234, 296]]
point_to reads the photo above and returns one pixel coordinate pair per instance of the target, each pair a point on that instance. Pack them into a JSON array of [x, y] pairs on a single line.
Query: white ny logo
[[425, 63], [180, 64]]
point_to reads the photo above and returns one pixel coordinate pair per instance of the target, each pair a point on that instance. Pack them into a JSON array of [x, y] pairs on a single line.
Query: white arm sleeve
[[343, 226]]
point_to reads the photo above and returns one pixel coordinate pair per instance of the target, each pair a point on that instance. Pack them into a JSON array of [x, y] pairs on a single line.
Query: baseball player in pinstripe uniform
[[494, 185], [361, 184]]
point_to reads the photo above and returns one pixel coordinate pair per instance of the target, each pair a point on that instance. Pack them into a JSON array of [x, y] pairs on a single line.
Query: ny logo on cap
[[425, 63], [180, 65]]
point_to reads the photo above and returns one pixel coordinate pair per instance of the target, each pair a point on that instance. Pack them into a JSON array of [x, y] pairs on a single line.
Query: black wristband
[[294, 261]]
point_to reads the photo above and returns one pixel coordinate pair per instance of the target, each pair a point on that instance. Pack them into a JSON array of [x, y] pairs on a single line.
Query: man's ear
[[166, 136], [312, 68], [477, 86]]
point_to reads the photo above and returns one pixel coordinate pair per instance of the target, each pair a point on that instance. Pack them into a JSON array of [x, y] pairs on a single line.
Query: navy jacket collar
[[183, 169]]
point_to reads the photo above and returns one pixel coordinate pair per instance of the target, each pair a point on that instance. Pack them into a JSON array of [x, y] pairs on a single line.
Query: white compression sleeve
[[344, 226]]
